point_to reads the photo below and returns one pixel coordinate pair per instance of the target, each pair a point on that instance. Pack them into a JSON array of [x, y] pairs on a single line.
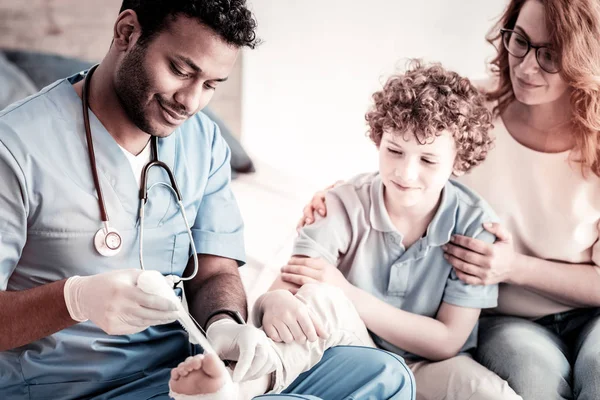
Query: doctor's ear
[[127, 30]]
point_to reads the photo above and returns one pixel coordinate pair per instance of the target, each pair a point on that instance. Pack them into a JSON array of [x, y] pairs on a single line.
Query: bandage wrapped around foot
[[153, 282]]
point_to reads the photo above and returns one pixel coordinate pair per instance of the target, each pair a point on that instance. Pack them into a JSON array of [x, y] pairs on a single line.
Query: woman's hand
[[317, 204], [303, 270], [480, 263]]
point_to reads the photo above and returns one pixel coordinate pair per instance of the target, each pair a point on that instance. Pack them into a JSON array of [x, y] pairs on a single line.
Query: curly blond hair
[[427, 100]]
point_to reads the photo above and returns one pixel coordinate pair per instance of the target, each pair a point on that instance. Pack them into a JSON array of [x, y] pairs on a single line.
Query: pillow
[[14, 83], [43, 69], [240, 161]]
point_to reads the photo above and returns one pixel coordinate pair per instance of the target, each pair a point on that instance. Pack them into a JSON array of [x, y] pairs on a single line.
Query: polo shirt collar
[[440, 228]]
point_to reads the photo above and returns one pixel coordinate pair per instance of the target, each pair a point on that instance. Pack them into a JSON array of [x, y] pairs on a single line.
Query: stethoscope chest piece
[[108, 242]]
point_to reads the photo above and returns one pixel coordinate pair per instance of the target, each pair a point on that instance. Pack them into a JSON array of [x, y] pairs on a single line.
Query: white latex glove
[[112, 301], [285, 318], [247, 345]]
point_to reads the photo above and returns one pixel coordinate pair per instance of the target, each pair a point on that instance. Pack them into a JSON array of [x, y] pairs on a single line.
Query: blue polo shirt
[[358, 236]]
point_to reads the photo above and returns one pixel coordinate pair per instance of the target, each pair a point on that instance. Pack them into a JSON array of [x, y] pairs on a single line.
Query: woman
[[543, 180]]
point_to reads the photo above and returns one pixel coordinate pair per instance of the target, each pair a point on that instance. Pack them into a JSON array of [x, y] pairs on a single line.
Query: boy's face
[[164, 82], [414, 174]]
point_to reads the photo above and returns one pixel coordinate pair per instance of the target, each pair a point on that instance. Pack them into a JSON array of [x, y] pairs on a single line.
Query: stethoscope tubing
[[143, 191], [90, 143]]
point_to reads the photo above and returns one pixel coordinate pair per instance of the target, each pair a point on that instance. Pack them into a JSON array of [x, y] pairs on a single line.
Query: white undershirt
[[138, 162]]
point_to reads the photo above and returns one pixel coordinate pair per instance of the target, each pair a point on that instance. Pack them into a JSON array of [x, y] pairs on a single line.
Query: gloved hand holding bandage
[[112, 301], [248, 346]]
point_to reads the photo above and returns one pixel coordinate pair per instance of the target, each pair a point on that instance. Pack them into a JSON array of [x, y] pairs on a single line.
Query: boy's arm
[[435, 339], [432, 338], [327, 238]]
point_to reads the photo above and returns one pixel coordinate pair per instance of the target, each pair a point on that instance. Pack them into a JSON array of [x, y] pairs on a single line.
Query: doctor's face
[[166, 80]]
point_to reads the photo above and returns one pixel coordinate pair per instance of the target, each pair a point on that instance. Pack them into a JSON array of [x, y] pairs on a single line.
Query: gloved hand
[[112, 301], [249, 346]]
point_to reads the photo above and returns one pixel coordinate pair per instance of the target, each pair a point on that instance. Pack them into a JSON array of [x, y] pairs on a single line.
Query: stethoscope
[[108, 241]]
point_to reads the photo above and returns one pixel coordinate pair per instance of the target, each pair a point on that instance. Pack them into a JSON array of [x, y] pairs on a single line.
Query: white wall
[[307, 87]]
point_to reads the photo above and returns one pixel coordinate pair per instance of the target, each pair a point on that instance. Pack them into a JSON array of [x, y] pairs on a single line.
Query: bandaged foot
[[202, 377]]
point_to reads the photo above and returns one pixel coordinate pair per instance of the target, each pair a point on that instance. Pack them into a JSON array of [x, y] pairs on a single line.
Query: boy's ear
[[456, 170]]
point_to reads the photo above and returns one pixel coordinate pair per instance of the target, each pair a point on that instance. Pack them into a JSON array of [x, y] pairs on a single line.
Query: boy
[[383, 238]]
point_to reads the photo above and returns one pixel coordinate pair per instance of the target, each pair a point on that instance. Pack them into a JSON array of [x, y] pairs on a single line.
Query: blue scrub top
[[48, 218]]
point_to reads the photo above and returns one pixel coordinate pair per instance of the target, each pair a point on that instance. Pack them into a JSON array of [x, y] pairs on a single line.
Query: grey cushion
[[42, 68], [14, 84]]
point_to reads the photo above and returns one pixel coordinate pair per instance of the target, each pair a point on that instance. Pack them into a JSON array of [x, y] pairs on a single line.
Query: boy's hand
[[302, 270], [285, 318], [480, 263]]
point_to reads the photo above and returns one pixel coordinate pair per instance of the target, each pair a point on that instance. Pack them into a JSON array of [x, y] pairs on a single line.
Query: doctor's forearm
[[223, 291], [29, 315], [217, 286]]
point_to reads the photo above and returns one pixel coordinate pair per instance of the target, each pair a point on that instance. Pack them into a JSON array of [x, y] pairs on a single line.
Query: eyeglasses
[[518, 46]]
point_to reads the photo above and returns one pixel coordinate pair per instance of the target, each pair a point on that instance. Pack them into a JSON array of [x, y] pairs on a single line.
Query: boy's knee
[[325, 298], [320, 291], [337, 313], [331, 305], [488, 392]]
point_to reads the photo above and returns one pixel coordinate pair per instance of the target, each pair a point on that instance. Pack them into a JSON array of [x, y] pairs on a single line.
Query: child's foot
[[201, 375]]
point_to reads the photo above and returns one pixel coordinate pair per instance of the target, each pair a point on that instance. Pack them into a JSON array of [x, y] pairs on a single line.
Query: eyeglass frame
[[530, 46]]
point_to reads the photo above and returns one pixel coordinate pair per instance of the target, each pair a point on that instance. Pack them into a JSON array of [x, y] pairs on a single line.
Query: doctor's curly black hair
[[230, 19]]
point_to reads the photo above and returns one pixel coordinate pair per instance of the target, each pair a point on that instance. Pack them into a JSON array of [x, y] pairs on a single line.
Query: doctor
[[73, 324]]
